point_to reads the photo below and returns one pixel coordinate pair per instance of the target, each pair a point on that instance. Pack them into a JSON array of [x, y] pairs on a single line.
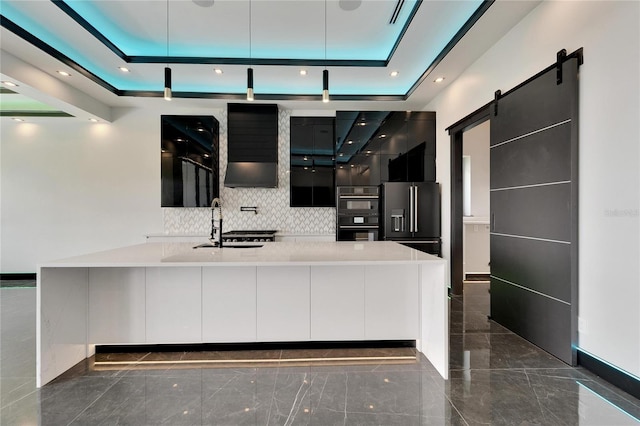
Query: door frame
[[456, 132]]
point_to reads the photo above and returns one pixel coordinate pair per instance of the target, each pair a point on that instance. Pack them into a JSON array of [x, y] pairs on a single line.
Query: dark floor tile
[[497, 351], [473, 322], [608, 392], [507, 397], [61, 401]]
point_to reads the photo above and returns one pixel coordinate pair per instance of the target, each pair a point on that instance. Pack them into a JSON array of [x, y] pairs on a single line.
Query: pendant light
[[167, 70], [250, 84], [250, 70], [325, 72]]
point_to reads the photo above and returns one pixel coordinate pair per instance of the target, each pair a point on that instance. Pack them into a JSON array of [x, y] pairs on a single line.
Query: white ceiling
[[289, 34]]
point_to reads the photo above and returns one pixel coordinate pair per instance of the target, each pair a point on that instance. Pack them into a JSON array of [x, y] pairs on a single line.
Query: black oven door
[[357, 227]]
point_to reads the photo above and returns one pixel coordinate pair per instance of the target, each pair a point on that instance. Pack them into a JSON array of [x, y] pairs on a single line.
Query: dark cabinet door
[[421, 142], [312, 157], [189, 160]]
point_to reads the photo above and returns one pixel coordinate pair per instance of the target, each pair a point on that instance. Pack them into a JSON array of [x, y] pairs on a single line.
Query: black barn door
[[534, 208]]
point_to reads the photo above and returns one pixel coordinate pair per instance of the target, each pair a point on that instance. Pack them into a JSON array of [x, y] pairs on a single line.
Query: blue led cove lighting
[[398, 86], [133, 45]]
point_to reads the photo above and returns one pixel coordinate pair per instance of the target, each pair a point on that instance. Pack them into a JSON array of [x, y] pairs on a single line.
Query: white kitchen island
[[171, 293]]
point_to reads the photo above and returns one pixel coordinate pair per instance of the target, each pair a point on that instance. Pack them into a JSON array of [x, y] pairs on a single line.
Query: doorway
[[478, 118], [476, 202]]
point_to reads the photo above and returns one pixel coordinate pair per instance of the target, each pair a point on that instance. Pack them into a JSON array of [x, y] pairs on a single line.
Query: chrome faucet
[[216, 233]]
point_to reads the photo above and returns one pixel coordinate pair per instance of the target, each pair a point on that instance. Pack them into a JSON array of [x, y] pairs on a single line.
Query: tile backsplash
[[272, 203]]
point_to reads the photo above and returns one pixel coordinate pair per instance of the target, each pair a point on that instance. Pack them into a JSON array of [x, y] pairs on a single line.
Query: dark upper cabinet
[[189, 160], [312, 162], [373, 147]]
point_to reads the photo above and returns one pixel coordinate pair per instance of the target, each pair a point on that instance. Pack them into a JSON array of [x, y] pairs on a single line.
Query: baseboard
[[18, 276], [621, 379], [365, 344]]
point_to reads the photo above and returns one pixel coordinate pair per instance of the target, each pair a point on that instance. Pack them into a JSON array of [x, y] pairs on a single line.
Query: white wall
[[609, 274], [475, 144], [70, 187]]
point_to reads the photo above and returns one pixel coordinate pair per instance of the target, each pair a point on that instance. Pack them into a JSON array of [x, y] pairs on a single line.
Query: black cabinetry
[[374, 147], [252, 141], [312, 162], [189, 160]]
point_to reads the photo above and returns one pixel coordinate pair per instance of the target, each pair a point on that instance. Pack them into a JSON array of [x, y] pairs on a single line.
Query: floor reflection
[[496, 378]]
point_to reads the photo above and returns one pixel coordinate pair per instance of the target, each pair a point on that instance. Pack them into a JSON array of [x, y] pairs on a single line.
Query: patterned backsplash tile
[[272, 203]]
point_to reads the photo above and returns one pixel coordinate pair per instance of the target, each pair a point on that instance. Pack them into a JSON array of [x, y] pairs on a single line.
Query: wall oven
[[358, 213]]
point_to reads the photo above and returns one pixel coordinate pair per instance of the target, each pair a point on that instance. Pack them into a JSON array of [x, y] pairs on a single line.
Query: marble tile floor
[[496, 378]]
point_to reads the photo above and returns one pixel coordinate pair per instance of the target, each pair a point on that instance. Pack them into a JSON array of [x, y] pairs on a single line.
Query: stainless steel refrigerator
[[411, 214]]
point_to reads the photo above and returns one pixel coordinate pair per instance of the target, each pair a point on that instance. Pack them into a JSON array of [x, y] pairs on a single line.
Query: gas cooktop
[[248, 236]]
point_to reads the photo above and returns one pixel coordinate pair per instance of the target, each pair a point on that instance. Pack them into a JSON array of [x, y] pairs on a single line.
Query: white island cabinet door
[[174, 305], [391, 302], [337, 302], [116, 305], [283, 303], [229, 304]]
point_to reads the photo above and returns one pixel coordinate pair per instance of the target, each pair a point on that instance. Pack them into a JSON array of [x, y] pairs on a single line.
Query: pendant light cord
[[325, 34], [167, 33], [250, 33]]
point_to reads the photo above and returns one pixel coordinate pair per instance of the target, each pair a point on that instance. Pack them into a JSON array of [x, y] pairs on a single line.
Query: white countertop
[[271, 254]]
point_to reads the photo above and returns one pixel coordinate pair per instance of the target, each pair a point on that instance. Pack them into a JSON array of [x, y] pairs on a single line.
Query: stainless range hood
[[245, 174], [252, 146]]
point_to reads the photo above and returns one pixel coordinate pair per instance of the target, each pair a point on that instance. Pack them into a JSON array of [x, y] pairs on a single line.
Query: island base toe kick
[[79, 308]]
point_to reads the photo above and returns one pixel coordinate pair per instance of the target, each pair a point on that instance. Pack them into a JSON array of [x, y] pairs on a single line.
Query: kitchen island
[[173, 293]]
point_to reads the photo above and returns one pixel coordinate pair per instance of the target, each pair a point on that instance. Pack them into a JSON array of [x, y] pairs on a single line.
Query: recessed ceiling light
[[350, 142], [439, 80], [124, 69], [394, 73], [383, 136], [362, 123], [66, 74], [218, 71], [9, 83], [368, 152], [341, 154], [303, 72], [93, 120], [349, 5], [18, 119], [352, 165]]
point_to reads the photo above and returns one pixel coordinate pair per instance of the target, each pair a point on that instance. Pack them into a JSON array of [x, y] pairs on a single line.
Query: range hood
[[252, 146], [245, 174]]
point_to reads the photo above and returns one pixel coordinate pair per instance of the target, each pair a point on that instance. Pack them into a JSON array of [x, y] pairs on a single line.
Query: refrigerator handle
[[411, 209], [415, 207]]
